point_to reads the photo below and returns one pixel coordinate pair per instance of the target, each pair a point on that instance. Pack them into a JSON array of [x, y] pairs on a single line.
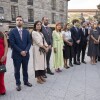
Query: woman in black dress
[[68, 45]]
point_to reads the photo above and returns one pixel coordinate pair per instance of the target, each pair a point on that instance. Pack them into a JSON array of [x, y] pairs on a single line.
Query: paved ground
[[77, 83]]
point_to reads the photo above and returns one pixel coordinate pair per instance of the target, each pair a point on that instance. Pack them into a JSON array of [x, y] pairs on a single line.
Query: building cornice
[[82, 10]]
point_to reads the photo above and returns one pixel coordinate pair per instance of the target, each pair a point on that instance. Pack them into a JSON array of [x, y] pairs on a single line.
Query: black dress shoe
[[3, 94], [28, 84], [84, 62], [18, 88], [76, 63], [70, 64], [67, 67], [49, 71], [44, 76]]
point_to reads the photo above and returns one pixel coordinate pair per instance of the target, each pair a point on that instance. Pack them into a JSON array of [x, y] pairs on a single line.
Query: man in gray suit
[[47, 32]]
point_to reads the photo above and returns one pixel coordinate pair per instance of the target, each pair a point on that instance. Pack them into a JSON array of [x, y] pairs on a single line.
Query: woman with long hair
[[40, 48], [68, 45], [58, 47]]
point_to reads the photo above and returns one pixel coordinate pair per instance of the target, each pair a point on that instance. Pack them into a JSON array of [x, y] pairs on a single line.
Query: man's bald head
[[45, 21]]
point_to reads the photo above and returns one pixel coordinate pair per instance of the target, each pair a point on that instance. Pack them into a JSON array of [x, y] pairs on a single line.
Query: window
[[14, 12], [53, 18], [1, 10], [30, 15], [61, 18], [14, 0], [30, 2], [53, 4], [61, 6]]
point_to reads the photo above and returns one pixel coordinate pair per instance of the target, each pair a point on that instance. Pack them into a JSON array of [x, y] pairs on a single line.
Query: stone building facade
[[86, 12], [32, 10]]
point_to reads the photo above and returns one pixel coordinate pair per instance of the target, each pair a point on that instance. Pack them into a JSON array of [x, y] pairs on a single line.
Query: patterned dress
[[93, 49]]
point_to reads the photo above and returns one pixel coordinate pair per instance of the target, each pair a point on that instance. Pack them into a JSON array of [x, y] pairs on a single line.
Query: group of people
[[66, 43]]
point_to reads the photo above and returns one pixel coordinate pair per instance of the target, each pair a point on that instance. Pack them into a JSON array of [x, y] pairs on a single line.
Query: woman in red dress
[[3, 55]]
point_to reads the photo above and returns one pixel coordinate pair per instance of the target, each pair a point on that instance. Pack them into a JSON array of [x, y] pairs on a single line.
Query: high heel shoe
[[42, 79], [59, 70], [39, 81], [3, 94]]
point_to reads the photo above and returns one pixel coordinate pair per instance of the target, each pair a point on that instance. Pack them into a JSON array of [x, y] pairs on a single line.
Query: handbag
[[42, 50], [2, 68], [70, 40]]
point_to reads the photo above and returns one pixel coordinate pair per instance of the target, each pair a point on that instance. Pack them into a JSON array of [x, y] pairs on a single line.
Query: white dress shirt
[[20, 31]]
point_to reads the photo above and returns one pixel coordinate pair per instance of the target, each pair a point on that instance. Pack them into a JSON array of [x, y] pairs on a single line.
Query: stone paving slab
[[77, 83]]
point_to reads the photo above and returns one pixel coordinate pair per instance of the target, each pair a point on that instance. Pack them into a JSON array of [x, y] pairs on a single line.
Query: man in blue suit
[[20, 43], [76, 40]]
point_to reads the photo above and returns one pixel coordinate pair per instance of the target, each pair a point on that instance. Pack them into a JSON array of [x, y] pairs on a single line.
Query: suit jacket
[[75, 34], [18, 44], [47, 35], [84, 37]]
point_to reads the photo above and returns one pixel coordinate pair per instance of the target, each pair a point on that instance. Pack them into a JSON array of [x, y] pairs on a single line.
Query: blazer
[[47, 35], [75, 34], [18, 44], [84, 37]]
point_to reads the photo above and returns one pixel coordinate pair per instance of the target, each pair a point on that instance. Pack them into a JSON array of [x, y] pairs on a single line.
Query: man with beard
[[20, 44], [47, 32]]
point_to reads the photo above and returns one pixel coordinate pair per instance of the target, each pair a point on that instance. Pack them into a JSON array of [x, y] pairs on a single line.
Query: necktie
[[46, 29], [20, 33]]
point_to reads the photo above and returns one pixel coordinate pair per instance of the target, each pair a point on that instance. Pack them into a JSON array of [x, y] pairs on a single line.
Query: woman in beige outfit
[[40, 48]]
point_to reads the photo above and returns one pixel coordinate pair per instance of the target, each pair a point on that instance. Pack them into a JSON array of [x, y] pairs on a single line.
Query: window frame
[[30, 18], [1, 10], [14, 12]]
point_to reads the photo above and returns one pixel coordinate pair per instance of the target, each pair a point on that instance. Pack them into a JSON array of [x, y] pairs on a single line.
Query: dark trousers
[[82, 48], [71, 55], [76, 50], [17, 66], [48, 55]]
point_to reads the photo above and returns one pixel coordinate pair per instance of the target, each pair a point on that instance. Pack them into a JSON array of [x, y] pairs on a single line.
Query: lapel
[[75, 29]]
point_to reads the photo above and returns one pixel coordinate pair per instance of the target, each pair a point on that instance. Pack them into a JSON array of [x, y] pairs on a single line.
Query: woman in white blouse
[[68, 45]]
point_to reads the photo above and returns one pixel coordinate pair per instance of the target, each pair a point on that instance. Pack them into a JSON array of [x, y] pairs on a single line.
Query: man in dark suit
[[20, 44], [76, 40], [98, 28], [47, 32], [83, 43]]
